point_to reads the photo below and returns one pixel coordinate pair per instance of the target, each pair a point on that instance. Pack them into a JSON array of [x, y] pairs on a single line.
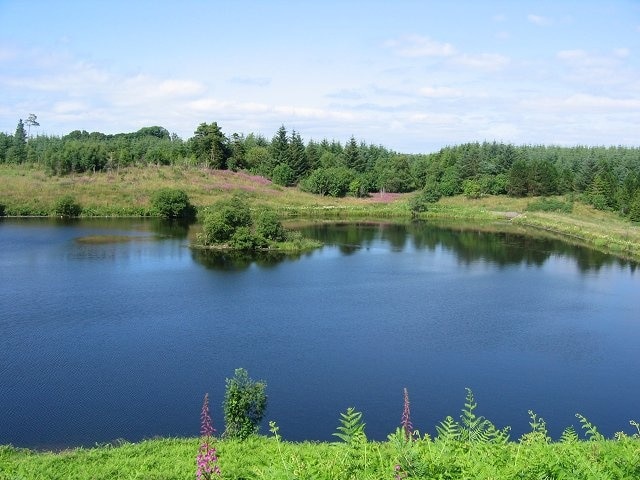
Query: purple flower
[[206, 427], [407, 426], [207, 459]]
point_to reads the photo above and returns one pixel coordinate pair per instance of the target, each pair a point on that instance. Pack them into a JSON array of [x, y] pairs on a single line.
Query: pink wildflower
[[407, 426], [207, 459]]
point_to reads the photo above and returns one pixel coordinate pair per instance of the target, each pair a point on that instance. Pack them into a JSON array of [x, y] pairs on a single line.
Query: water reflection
[[231, 260], [469, 243]]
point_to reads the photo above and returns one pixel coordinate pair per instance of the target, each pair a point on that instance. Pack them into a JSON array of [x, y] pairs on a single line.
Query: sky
[[414, 76]]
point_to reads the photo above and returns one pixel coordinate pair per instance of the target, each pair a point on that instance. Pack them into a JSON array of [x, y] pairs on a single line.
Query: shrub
[[223, 219], [472, 189], [67, 207], [245, 402], [283, 175], [244, 240], [332, 181], [172, 203], [267, 225], [2, 210]]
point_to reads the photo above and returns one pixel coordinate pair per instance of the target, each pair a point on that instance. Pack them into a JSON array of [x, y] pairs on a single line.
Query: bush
[[420, 203], [472, 189], [244, 240], [245, 403], [267, 225], [223, 219], [333, 181], [2, 210], [172, 203], [67, 207], [283, 175]]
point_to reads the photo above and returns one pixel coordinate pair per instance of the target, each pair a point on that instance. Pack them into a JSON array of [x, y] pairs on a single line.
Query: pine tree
[[18, 151], [297, 158], [279, 147], [352, 157]]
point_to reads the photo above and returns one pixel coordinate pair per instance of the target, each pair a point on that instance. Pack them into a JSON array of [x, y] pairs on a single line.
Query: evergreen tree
[[352, 157], [518, 179], [634, 211], [297, 158], [543, 178], [279, 148], [31, 121], [18, 151], [210, 146], [237, 160], [312, 151]]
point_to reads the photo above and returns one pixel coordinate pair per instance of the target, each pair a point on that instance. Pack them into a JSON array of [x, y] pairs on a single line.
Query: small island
[[231, 225]]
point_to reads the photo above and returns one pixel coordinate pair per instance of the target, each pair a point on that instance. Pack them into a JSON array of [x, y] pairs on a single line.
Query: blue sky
[[413, 76]]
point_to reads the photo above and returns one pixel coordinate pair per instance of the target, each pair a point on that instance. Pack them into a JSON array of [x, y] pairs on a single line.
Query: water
[[120, 337]]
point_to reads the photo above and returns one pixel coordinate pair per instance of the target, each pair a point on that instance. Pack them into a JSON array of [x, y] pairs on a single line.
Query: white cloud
[[621, 52], [539, 20], [419, 46], [482, 61], [254, 81], [582, 102], [503, 35], [572, 55], [440, 92]]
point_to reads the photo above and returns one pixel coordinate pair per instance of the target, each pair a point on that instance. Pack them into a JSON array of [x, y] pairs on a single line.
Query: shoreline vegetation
[[28, 191], [471, 447]]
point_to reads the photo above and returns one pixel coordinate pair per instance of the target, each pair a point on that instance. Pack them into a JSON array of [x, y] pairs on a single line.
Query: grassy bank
[[268, 458], [28, 191]]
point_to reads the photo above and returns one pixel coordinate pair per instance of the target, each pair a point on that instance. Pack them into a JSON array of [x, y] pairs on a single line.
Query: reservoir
[[115, 329]]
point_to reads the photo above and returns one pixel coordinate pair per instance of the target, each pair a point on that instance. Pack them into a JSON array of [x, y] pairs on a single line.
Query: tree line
[[606, 177]]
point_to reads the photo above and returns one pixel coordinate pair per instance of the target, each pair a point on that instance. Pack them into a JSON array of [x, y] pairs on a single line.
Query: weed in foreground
[[207, 459]]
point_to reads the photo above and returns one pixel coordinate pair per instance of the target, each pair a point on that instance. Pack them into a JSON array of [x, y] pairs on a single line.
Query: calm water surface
[[115, 329]]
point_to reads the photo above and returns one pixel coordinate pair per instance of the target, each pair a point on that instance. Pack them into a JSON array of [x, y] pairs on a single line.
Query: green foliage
[[634, 210], [590, 429], [243, 240], [448, 430], [267, 225], [332, 181], [550, 205], [420, 203], [471, 427], [67, 207], [172, 203], [223, 218], [283, 174], [569, 435], [472, 189], [210, 146], [245, 403], [538, 430], [17, 152], [351, 428]]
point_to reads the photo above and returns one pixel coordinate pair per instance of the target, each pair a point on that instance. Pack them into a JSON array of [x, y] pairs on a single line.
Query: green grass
[[268, 458]]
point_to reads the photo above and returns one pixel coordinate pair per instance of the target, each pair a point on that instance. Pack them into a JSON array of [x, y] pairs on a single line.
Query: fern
[[569, 435], [472, 425], [538, 431], [351, 429], [637, 425], [448, 430], [479, 429], [590, 429]]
